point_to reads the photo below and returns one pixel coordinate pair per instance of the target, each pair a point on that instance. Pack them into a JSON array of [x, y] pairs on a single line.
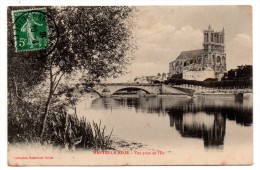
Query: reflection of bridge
[[111, 88]]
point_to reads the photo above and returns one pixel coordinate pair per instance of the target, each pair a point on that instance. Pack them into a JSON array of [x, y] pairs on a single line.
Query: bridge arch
[[109, 89], [134, 88], [95, 91]]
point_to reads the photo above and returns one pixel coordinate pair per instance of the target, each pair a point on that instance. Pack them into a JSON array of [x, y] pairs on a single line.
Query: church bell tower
[[214, 50], [214, 41]]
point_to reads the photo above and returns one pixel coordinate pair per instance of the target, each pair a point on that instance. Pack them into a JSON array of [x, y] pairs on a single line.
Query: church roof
[[191, 53]]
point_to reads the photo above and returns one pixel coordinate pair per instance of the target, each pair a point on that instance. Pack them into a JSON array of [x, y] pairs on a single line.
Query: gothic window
[[218, 59], [213, 58], [206, 37], [223, 59], [222, 69]]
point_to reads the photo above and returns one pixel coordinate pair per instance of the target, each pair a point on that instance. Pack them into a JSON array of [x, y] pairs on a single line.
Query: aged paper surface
[[151, 85]]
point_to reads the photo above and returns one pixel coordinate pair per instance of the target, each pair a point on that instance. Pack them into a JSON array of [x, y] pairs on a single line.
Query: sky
[[162, 32]]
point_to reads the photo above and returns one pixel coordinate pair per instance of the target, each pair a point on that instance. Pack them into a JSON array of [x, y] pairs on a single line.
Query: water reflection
[[204, 118], [211, 128]]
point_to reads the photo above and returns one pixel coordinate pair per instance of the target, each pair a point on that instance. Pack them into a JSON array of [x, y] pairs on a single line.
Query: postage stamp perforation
[[25, 10], [30, 29]]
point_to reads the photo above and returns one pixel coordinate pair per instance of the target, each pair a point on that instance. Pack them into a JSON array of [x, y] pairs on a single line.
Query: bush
[[176, 76], [69, 131], [24, 119]]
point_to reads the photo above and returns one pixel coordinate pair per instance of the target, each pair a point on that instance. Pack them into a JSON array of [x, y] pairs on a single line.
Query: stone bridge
[[109, 89]]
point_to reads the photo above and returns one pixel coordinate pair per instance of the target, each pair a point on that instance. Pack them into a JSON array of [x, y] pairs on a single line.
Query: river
[[168, 122]]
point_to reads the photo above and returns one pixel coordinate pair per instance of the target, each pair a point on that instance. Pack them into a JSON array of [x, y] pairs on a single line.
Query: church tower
[[214, 50], [214, 41]]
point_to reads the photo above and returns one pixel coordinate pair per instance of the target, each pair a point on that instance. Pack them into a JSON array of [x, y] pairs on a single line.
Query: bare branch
[[57, 83]]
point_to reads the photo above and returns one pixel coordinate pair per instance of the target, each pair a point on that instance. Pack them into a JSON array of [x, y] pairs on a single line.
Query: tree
[[163, 76], [95, 41]]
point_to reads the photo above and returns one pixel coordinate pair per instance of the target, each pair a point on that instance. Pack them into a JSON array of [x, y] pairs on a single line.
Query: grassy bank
[[62, 130]]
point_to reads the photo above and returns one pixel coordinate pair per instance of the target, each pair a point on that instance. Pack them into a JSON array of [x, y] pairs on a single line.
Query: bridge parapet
[[111, 88], [128, 84]]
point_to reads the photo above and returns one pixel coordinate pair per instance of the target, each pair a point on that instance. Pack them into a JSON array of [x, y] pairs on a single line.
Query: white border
[[3, 69]]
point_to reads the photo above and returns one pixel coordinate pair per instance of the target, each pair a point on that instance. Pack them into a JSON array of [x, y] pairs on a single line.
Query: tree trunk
[[46, 111], [47, 106], [53, 87]]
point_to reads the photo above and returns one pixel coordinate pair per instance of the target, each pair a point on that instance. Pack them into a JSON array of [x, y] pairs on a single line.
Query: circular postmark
[[34, 29]]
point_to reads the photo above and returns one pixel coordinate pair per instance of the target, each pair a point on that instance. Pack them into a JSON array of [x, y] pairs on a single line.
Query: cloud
[[239, 50], [165, 43], [158, 45], [243, 40]]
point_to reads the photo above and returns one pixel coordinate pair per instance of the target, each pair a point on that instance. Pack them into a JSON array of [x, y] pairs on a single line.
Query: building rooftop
[[191, 53]]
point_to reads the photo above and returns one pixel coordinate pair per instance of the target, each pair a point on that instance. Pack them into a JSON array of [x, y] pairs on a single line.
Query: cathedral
[[200, 64]]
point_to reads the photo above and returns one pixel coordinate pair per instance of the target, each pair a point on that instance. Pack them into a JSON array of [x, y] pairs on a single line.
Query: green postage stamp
[[30, 29]]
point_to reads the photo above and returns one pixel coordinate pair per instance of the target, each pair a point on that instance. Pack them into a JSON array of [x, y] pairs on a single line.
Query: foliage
[[242, 72], [176, 76], [23, 121], [95, 41]]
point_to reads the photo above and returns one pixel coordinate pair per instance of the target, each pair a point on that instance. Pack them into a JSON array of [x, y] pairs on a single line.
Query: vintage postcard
[[130, 85]]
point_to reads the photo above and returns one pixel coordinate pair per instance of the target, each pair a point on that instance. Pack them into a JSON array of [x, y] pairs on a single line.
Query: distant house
[[150, 79], [199, 75], [141, 80]]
